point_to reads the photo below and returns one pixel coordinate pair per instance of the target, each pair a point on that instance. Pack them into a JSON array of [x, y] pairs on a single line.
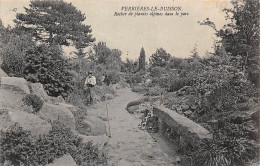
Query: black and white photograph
[[129, 83]]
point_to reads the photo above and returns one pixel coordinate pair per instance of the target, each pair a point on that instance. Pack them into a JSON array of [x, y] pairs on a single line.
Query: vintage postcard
[[129, 82]]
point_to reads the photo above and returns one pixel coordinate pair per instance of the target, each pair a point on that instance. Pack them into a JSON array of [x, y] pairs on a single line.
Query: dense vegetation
[[18, 147], [219, 90]]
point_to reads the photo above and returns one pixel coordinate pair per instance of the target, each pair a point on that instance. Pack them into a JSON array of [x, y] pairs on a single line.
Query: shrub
[[13, 51], [16, 145], [45, 64], [225, 152], [112, 77], [154, 91], [34, 101], [179, 83], [19, 149]]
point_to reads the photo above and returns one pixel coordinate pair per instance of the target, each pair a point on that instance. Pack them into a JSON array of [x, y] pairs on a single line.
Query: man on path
[[90, 82]]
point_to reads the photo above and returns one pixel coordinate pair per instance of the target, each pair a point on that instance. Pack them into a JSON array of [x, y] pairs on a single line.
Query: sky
[[177, 35]]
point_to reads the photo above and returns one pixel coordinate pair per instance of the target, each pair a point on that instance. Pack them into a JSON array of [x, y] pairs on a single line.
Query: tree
[[240, 37], [56, 22], [101, 52], [142, 60], [160, 58]]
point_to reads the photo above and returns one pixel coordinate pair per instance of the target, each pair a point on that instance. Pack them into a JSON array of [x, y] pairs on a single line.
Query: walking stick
[[109, 134]]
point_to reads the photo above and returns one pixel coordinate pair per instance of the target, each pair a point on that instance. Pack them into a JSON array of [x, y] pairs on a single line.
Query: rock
[[38, 90], [96, 125], [109, 96], [65, 160], [100, 141], [28, 121], [2, 73], [17, 82], [72, 108], [56, 100], [57, 112], [187, 113], [133, 109], [11, 97]]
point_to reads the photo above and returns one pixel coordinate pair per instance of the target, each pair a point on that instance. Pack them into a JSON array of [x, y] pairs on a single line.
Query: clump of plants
[[225, 152], [34, 101], [19, 148]]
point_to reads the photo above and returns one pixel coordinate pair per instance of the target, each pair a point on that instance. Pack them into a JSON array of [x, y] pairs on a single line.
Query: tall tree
[[142, 59], [55, 21], [240, 37], [160, 58]]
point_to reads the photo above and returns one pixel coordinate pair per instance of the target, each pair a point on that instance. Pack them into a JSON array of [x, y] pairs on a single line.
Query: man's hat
[[90, 72]]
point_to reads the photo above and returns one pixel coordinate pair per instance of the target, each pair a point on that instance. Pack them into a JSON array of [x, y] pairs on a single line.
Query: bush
[[19, 149], [45, 64], [13, 51], [112, 77], [34, 101], [154, 91], [225, 152]]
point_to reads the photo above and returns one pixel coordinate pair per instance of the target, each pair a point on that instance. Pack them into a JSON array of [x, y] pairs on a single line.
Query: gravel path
[[128, 145]]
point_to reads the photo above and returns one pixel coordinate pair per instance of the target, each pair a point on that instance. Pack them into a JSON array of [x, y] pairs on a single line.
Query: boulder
[[57, 112], [65, 160], [56, 100], [28, 121], [17, 82], [133, 109], [38, 90], [2, 73], [12, 97], [96, 125]]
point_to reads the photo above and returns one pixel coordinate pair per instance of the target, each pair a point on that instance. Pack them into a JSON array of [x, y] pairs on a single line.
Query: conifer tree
[[55, 22], [142, 60]]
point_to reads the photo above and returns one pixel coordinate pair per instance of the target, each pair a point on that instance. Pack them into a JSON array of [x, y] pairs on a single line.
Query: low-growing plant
[[19, 148], [34, 101], [226, 152]]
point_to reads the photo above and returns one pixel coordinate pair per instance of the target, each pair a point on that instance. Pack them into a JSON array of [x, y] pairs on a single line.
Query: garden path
[[129, 145]]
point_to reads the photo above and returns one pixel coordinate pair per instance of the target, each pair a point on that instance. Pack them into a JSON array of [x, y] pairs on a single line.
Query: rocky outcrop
[[51, 112], [17, 82], [190, 132], [38, 90], [65, 160], [28, 121]]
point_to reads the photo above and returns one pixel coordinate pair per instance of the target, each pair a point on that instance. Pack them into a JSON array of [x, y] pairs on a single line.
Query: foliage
[[142, 60], [240, 37], [45, 64], [34, 101], [13, 51], [154, 91], [134, 78], [19, 148], [112, 77], [159, 58], [225, 152], [129, 66], [55, 22], [16, 145]]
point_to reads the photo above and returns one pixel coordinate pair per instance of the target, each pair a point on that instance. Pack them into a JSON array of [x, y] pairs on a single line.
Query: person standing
[[90, 82]]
